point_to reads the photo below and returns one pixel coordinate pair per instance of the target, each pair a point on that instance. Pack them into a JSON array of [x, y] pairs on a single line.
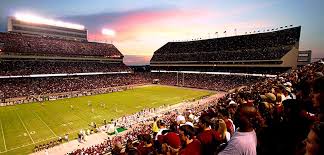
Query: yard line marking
[[4, 140], [27, 145], [24, 126], [15, 148], [45, 123]]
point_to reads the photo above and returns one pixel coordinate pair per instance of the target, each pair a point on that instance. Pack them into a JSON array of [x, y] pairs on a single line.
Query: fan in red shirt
[[146, 147], [191, 146], [209, 138]]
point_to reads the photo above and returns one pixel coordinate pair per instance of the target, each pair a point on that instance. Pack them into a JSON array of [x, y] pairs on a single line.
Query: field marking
[[15, 148], [4, 140], [24, 127], [45, 123], [62, 117], [67, 132]]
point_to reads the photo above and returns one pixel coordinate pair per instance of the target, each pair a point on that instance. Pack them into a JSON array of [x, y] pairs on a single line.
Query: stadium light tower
[[41, 20], [108, 32]]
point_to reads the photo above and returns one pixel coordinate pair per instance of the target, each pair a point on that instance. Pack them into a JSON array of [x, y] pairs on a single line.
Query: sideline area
[[101, 136]]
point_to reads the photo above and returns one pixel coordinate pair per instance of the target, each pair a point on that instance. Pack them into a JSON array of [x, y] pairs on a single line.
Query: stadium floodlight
[[40, 20], [108, 32]]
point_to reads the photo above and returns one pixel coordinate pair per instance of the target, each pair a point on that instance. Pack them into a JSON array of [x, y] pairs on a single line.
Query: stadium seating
[[263, 46], [205, 81], [18, 44], [24, 87], [29, 67], [274, 110]]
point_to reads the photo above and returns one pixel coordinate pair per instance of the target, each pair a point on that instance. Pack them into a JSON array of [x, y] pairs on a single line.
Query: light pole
[[108, 32]]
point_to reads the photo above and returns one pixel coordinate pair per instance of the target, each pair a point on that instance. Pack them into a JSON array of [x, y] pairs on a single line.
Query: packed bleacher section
[[29, 67], [282, 115], [19, 44], [262, 46], [237, 55], [205, 81], [24, 87]]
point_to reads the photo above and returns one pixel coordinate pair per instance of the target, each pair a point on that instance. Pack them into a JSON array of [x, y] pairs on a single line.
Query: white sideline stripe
[[15, 148], [45, 124], [24, 126], [4, 140], [26, 145]]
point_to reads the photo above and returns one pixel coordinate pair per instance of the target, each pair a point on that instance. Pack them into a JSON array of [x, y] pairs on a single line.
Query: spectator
[[147, 147], [244, 141], [313, 140], [162, 127], [208, 137], [225, 135], [190, 145]]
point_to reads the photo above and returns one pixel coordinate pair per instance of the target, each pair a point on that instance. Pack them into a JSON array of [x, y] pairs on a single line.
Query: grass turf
[[24, 126]]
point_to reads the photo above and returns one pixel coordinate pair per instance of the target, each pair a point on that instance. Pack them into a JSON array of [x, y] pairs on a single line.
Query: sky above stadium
[[143, 26]]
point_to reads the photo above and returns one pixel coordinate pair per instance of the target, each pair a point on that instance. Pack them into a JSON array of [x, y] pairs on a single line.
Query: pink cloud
[[130, 26], [142, 32]]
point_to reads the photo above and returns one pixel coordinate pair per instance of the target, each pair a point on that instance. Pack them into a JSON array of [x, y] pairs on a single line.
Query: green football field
[[24, 126]]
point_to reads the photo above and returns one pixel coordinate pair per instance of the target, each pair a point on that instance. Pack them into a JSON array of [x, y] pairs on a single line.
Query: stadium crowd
[[262, 46], [205, 81], [16, 43], [246, 54], [20, 67], [282, 115], [27, 87]]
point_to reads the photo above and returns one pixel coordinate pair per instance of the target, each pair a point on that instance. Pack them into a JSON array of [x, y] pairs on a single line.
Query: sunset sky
[[142, 26]]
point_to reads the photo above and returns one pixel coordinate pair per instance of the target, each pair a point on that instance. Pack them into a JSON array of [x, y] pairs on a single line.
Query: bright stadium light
[[40, 20], [108, 32]]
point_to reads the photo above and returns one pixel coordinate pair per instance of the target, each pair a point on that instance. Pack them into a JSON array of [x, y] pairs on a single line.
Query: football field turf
[[24, 126]]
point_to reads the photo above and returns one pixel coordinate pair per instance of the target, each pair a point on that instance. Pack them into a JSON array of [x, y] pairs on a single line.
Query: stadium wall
[[59, 58], [290, 59]]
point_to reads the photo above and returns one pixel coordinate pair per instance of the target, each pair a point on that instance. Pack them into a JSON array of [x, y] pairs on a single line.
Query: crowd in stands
[[25, 67], [263, 46], [282, 115], [24, 87], [205, 81], [237, 55], [16, 43]]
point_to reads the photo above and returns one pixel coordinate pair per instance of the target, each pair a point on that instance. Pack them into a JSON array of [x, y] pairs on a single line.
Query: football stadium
[[64, 93]]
